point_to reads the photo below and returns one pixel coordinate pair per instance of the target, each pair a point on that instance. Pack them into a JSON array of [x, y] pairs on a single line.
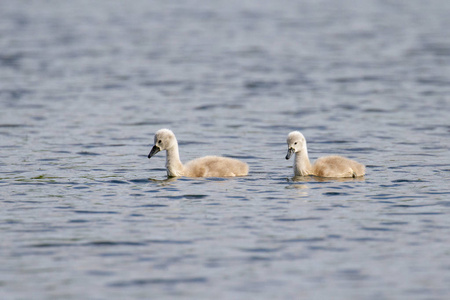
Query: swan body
[[328, 166], [208, 166]]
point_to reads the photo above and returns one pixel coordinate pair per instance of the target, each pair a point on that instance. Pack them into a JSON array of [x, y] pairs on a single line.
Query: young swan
[[328, 166], [208, 166]]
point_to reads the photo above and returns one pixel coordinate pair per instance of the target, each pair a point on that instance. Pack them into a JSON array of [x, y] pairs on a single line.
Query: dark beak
[[290, 152], [154, 150]]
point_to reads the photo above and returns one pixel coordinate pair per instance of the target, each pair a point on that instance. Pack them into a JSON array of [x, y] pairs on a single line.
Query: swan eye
[[159, 142], [295, 143]]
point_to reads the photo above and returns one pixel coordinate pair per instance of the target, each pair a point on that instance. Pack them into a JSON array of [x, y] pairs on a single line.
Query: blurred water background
[[85, 84]]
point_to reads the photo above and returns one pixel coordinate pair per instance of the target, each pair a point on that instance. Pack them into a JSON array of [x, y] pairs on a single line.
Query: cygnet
[[208, 166], [328, 166]]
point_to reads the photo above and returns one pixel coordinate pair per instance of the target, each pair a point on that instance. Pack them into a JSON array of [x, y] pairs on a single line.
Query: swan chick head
[[164, 140], [295, 141]]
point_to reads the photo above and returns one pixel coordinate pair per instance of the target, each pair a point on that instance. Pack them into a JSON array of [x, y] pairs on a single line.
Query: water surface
[[84, 86]]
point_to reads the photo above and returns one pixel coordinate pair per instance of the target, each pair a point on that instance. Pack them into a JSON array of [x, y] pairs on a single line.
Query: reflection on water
[[302, 189], [164, 182], [85, 214], [326, 179]]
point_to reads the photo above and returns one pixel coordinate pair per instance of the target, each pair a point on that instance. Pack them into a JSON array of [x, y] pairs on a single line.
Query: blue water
[[85, 215]]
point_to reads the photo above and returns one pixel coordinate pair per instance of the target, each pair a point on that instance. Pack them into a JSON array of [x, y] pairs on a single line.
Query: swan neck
[[302, 164], [173, 163]]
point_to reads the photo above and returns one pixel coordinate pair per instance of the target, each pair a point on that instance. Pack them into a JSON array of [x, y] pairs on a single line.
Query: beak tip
[[154, 150], [289, 153]]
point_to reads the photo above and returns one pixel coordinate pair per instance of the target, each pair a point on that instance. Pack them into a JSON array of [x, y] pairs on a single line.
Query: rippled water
[[85, 215]]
